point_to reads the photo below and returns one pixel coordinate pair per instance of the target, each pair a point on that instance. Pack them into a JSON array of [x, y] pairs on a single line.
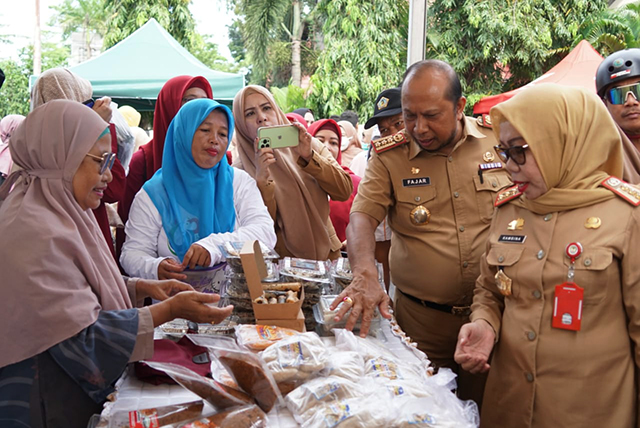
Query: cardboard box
[[295, 324], [279, 314]]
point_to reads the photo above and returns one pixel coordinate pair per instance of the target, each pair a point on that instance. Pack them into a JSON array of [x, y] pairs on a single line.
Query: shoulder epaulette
[[387, 143], [626, 191], [484, 120], [507, 195]]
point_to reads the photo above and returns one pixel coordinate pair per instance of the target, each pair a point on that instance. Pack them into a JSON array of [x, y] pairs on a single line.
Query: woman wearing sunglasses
[[557, 301], [70, 326], [195, 202]]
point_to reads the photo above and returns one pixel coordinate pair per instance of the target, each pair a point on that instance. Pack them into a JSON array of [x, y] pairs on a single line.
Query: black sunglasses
[[515, 153], [106, 161]]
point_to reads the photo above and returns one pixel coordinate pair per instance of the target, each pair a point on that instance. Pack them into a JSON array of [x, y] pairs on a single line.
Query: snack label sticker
[[291, 355], [267, 332], [336, 413], [384, 368], [422, 419], [140, 420], [396, 390], [325, 390]]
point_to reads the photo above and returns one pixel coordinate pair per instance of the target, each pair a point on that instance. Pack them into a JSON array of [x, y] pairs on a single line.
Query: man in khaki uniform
[[437, 181]]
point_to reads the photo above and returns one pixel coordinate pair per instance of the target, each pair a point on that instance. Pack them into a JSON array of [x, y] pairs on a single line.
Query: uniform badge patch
[[416, 182], [384, 101]]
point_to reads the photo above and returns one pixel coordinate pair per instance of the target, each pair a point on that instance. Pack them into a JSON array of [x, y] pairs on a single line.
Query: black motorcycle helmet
[[617, 66]]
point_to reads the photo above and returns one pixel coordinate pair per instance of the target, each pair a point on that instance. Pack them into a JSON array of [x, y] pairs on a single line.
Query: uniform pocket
[[486, 191], [592, 273], [409, 199], [506, 256]]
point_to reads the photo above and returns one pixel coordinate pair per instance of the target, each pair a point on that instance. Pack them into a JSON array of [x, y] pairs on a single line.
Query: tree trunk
[[37, 48], [296, 35]]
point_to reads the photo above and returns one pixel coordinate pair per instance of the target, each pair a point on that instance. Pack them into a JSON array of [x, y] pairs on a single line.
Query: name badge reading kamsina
[[513, 239]]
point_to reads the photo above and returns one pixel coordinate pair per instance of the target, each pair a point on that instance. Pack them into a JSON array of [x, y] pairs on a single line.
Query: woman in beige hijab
[[351, 147], [69, 327], [295, 183], [558, 298]]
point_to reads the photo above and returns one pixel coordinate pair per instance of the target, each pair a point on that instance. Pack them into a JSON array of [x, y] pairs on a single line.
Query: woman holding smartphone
[[295, 182]]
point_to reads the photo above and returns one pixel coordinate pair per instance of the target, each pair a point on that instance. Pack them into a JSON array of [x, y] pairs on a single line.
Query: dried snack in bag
[[296, 358], [250, 373], [369, 412], [157, 417], [242, 417], [391, 369], [345, 364], [436, 412], [259, 337], [318, 392], [205, 388]]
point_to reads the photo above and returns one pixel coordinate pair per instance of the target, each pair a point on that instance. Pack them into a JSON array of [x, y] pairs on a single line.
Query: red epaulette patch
[[507, 195], [387, 143], [626, 191]]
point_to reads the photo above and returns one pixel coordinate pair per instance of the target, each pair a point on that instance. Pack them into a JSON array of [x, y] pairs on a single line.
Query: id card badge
[[567, 307]]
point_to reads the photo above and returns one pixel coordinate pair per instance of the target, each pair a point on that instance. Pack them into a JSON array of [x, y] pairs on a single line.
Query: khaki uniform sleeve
[[268, 192], [631, 289], [375, 191], [488, 303], [328, 173]]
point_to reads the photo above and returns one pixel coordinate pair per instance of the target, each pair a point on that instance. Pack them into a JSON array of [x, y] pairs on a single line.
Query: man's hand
[[362, 297], [196, 255], [160, 289], [475, 342], [170, 269]]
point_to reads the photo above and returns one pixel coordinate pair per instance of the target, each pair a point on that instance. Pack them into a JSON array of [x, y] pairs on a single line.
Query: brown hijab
[[57, 271], [60, 83], [572, 137], [303, 206]]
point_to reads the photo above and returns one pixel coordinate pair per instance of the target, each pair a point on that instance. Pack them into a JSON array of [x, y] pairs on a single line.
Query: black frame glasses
[[106, 161], [618, 96], [515, 153]]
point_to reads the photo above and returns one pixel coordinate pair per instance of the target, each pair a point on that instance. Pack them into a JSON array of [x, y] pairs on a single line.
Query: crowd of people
[[511, 243]]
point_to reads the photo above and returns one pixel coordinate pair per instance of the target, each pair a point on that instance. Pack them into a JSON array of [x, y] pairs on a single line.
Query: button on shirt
[[437, 260]]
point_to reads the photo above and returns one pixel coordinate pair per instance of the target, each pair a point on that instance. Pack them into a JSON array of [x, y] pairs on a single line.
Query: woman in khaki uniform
[[295, 182], [558, 298]]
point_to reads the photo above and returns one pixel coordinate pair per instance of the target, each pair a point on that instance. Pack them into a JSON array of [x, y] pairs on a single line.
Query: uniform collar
[[469, 129]]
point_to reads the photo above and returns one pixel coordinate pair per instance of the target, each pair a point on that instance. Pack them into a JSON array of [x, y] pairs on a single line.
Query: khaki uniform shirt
[[545, 377], [439, 260]]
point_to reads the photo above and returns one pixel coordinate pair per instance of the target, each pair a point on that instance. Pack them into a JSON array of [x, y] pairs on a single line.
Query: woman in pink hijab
[[7, 125], [70, 326]]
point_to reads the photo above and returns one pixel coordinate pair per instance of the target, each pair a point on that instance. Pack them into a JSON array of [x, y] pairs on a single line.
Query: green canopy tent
[[133, 71]]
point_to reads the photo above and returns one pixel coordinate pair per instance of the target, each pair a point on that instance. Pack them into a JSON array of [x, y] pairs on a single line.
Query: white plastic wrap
[[310, 396], [345, 364], [296, 358], [369, 412]]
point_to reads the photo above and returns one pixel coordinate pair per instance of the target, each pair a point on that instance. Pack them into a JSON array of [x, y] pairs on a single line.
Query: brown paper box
[[276, 314]]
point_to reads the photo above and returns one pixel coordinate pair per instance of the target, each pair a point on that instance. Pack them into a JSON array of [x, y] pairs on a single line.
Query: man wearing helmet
[[618, 84]]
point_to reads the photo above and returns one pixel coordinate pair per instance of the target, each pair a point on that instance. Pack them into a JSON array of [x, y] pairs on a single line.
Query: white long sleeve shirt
[[146, 244]]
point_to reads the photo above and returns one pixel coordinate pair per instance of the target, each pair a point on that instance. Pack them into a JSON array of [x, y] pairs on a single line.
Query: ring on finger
[[348, 300]]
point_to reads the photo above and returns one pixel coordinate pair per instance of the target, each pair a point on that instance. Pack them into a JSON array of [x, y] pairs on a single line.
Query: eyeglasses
[[515, 153], [106, 161], [89, 103], [619, 95]]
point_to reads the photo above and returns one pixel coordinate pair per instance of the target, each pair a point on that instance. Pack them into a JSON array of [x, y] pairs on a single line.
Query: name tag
[[488, 166], [514, 239], [415, 182]]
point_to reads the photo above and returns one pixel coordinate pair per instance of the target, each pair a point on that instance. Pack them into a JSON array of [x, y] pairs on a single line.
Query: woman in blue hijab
[[195, 202]]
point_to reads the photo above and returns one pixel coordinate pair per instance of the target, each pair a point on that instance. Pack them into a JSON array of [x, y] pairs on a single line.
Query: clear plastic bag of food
[[341, 275], [239, 279], [345, 364], [296, 358], [241, 417], [260, 337], [435, 412], [324, 316], [251, 374], [157, 416], [231, 252], [313, 274], [368, 347], [370, 412], [319, 392], [208, 389]]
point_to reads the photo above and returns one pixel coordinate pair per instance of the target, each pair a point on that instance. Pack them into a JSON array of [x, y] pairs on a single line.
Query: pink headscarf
[[57, 271], [7, 125]]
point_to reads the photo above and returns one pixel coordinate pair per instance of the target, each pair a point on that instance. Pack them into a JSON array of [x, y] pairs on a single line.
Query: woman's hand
[[160, 290], [264, 159], [170, 269], [304, 142], [475, 342], [195, 307], [192, 306], [103, 108], [196, 255]]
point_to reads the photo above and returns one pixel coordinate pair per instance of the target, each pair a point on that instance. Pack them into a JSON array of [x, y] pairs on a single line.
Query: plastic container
[[231, 252], [324, 317], [206, 280], [341, 275]]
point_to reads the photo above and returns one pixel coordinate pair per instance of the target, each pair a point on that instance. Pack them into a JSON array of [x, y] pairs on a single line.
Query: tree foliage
[[612, 30], [498, 45], [365, 52], [126, 16], [207, 52]]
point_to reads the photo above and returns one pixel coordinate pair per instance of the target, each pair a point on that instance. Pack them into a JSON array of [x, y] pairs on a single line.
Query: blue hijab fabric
[[193, 202]]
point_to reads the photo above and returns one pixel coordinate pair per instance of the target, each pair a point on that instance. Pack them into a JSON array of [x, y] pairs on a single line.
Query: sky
[[17, 18]]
